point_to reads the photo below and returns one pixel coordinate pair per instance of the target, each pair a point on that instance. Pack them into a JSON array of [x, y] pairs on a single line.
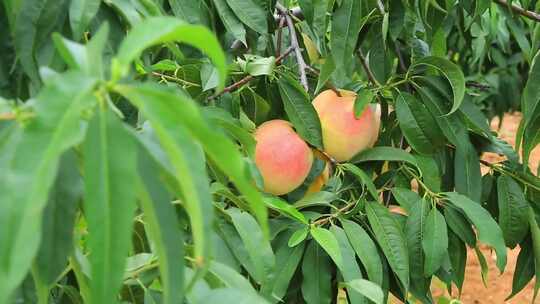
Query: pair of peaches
[[284, 159]]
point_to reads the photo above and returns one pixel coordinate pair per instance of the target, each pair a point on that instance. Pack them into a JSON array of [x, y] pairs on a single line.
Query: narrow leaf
[[390, 237], [300, 110], [316, 275], [110, 171], [434, 242], [513, 209], [488, 230]]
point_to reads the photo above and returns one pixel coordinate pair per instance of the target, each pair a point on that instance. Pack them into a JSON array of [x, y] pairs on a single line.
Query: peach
[[282, 156], [322, 179], [343, 134]]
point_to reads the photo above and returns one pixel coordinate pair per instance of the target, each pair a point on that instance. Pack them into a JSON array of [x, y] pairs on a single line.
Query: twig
[[369, 73], [525, 13], [480, 86], [175, 79], [294, 44], [325, 220], [246, 79], [278, 41]]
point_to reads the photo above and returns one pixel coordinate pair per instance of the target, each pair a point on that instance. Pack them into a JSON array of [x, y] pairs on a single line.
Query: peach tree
[[263, 151]]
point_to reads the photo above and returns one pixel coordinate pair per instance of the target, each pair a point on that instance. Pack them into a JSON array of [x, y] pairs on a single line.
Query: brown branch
[[294, 43], [278, 42], [369, 73], [246, 79], [523, 12]]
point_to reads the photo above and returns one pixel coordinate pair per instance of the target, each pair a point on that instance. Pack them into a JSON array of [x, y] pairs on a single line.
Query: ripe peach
[[343, 134], [320, 180], [282, 156]]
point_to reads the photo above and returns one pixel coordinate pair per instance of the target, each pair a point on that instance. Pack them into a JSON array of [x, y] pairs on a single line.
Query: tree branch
[[278, 41], [246, 79], [369, 73], [294, 43], [525, 13]]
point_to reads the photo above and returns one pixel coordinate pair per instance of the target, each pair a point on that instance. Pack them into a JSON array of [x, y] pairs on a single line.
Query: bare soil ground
[[499, 286]]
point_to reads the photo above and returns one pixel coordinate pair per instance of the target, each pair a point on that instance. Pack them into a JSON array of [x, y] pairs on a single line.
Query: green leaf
[[414, 233], [317, 275], [451, 71], [300, 111], [457, 252], [321, 198], [415, 125], [513, 209], [250, 13], [298, 236], [110, 160], [484, 269], [384, 154], [256, 65], [81, 12], [346, 24], [431, 174], [162, 227], [434, 242], [188, 162], [524, 271], [166, 110], [284, 207], [158, 30], [453, 128], [369, 289], [36, 20], [406, 198], [230, 277], [229, 19], [231, 296], [467, 175], [329, 243], [362, 178], [59, 221], [365, 249], [363, 98], [85, 58], [530, 100], [350, 270], [187, 10], [55, 128], [238, 249], [390, 237], [488, 230], [535, 233], [326, 71], [258, 248], [459, 224], [287, 260]]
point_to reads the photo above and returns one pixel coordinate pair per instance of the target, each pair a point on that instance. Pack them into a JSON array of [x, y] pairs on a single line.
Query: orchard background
[[263, 151]]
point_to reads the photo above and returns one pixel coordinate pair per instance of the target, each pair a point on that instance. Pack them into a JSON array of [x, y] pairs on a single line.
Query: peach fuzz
[[343, 134], [282, 156]]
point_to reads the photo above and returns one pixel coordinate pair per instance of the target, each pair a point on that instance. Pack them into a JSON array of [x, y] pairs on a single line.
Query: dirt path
[[499, 286]]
